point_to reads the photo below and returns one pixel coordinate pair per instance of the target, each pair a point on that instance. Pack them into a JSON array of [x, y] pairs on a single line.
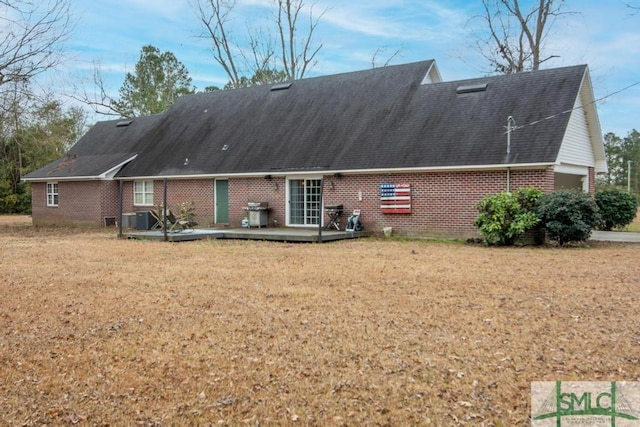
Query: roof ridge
[[515, 75]]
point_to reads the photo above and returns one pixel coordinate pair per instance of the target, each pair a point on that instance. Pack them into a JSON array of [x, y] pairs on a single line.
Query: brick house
[[408, 150]]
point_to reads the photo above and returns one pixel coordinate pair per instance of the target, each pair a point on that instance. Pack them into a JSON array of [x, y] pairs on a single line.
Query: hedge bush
[[617, 208], [568, 215], [505, 216]]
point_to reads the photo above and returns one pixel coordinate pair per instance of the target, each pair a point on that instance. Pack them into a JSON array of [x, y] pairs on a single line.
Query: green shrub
[[505, 216], [568, 215], [617, 208]]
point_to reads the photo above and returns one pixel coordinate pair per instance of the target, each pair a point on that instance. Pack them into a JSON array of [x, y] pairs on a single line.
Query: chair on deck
[[179, 223], [157, 216], [174, 223]]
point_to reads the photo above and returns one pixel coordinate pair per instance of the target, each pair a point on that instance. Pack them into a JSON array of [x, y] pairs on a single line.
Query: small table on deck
[[334, 212]]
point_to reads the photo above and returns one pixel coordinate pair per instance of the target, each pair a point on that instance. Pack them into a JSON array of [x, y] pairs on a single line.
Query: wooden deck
[[280, 234]]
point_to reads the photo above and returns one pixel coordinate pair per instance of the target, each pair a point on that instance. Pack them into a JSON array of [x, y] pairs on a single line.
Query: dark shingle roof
[[86, 166], [106, 145], [377, 119]]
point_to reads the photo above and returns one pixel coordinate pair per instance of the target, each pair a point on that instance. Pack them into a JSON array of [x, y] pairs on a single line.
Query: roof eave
[[593, 122], [107, 175], [65, 178], [111, 173], [375, 171]]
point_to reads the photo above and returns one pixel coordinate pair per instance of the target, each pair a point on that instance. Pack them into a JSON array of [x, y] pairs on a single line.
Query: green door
[[222, 201]]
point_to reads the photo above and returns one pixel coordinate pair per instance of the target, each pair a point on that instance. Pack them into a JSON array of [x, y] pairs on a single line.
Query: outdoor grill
[[258, 213]]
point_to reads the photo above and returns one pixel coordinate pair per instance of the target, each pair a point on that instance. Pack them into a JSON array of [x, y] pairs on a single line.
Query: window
[[52, 194], [143, 193]]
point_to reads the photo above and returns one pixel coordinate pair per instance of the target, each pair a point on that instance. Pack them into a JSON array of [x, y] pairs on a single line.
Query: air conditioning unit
[[129, 220], [144, 220]]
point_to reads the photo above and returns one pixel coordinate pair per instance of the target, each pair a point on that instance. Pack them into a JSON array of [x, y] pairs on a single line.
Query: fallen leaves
[[98, 330]]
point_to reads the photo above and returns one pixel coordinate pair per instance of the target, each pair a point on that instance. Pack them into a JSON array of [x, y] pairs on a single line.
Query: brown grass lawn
[[95, 330]]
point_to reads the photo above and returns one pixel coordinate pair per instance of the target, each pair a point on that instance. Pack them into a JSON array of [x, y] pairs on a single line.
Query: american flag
[[395, 198]]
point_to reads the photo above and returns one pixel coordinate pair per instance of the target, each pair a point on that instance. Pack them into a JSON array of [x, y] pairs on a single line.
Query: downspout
[[120, 210], [164, 209], [508, 180], [320, 211]]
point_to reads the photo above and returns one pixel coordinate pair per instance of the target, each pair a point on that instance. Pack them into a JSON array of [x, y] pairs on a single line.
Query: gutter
[[376, 171], [67, 178]]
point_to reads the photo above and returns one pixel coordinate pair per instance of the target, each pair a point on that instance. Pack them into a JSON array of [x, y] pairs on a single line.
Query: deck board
[[281, 234]]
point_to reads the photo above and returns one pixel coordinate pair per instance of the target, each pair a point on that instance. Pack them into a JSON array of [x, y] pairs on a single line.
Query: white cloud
[[603, 35], [420, 21]]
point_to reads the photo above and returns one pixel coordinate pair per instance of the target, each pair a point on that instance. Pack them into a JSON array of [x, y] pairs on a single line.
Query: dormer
[[433, 75]]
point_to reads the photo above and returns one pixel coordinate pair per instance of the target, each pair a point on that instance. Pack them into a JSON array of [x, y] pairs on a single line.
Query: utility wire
[[576, 108]]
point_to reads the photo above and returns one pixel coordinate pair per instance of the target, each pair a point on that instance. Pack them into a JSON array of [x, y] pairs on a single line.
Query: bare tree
[[99, 100], [31, 37], [297, 54], [515, 37], [258, 57], [214, 15], [382, 50]]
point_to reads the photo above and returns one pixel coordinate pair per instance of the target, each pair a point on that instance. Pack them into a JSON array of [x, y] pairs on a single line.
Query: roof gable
[[583, 144]]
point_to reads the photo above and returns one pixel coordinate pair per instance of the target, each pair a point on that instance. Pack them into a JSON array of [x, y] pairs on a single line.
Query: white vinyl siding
[[52, 194], [143, 193], [432, 76], [576, 147]]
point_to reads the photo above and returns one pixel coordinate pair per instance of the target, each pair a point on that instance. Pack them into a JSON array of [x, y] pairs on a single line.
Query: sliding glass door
[[304, 201]]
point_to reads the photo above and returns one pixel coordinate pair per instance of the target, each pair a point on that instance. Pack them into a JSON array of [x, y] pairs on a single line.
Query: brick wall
[[109, 198], [79, 203], [441, 202], [592, 181], [245, 190], [196, 191], [39, 211]]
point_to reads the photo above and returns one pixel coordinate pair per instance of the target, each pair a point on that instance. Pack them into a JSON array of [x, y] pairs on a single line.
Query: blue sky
[[604, 35]]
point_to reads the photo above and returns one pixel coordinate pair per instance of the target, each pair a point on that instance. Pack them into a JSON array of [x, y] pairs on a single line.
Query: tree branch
[[31, 38]]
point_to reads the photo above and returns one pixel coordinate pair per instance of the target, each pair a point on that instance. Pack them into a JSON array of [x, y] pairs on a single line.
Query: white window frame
[[143, 193], [288, 197], [52, 194]]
